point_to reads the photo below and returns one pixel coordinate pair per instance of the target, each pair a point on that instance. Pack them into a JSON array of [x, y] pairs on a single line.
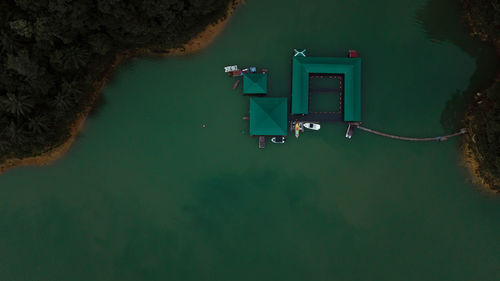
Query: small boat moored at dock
[[312, 126], [278, 139], [230, 68], [350, 129]]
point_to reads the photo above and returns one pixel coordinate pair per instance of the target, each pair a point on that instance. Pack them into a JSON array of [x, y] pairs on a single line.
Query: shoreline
[[472, 164], [484, 180], [194, 45]]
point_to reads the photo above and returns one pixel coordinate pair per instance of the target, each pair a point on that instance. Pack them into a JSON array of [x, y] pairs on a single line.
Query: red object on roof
[[353, 53]]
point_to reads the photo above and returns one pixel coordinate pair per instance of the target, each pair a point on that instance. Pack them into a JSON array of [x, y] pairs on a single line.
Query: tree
[[38, 124], [4, 146], [52, 52], [16, 134], [44, 31], [75, 58], [62, 102], [484, 17], [7, 43], [23, 64], [16, 104], [42, 84], [22, 28], [100, 43]]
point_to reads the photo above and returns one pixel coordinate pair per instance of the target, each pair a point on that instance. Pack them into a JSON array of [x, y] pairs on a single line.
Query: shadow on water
[[443, 21]]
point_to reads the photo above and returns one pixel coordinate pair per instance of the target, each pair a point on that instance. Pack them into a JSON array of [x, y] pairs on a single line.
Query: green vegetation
[[483, 114], [484, 18], [483, 122], [53, 52]]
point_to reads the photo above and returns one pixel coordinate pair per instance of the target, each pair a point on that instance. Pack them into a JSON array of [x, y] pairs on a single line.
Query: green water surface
[[147, 193]]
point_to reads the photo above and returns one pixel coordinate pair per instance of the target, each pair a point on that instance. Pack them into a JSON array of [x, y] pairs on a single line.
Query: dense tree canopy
[[483, 118], [52, 52], [484, 16], [487, 129]]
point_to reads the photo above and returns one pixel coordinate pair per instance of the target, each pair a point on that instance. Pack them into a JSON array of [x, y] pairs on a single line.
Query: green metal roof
[[254, 83], [349, 67], [268, 116]]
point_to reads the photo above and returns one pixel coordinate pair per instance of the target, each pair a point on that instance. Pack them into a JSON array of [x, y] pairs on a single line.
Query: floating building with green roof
[[268, 116], [350, 68], [313, 79], [254, 83]]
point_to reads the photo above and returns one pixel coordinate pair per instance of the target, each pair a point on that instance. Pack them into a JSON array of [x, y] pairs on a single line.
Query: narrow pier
[[439, 138], [262, 141]]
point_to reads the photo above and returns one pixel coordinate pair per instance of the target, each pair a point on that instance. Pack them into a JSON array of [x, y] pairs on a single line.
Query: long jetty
[[439, 138]]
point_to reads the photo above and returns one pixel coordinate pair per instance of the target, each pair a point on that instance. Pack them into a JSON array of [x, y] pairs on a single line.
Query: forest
[[53, 52], [483, 115]]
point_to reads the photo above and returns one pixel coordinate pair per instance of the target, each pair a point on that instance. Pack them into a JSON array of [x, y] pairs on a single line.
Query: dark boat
[[278, 139]]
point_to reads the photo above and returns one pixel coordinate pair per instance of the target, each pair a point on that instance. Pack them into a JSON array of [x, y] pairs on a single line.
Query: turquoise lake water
[[147, 193]]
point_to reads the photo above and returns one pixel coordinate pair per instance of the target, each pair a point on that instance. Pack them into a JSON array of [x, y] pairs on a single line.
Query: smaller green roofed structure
[[254, 83], [268, 116]]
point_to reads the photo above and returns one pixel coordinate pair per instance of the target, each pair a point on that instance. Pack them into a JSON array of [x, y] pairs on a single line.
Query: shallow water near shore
[[147, 193]]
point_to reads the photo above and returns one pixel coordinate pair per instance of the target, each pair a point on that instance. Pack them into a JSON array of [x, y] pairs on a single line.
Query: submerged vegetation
[[483, 114], [53, 52]]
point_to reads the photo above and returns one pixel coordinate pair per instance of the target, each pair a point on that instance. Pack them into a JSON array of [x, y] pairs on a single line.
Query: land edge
[[470, 160], [196, 44], [470, 157]]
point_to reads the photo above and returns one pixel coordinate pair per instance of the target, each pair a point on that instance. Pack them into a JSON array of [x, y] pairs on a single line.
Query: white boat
[[278, 139], [348, 134], [230, 68], [312, 126]]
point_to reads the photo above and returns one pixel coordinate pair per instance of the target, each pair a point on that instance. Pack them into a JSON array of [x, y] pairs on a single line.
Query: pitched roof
[[268, 116], [254, 83]]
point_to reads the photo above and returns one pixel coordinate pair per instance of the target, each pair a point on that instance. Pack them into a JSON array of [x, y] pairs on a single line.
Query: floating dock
[[262, 141]]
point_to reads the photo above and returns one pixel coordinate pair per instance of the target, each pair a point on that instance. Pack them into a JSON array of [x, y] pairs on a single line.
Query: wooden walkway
[[439, 138]]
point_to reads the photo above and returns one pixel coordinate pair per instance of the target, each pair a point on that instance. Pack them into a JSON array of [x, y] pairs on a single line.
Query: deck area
[[318, 117]]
